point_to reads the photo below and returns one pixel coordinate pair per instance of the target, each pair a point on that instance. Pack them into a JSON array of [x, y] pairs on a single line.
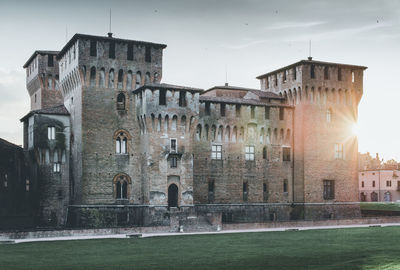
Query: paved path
[[145, 235]]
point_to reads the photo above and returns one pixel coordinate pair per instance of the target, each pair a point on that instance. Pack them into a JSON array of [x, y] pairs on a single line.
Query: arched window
[[57, 83], [120, 78], [153, 123], [121, 101], [121, 142], [227, 133], [174, 122], [241, 134], [198, 132], [166, 123], [102, 82], [234, 134], [147, 78], [262, 135], [281, 137], [213, 132], [121, 186], [129, 80], [159, 123], [329, 116], [111, 79], [206, 129], [50, 82], [155, 79], [220, 133], [83, 70], [93, 77], [138, 79]]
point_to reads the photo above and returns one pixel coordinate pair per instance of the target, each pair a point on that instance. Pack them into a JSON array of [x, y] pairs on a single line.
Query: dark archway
[[172, 196]]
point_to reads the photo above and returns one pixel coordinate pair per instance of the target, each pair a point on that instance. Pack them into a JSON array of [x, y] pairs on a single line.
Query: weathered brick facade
[[139, 147]]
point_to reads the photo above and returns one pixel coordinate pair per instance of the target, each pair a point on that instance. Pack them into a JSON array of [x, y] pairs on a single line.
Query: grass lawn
[[361, 248], [380, 206]]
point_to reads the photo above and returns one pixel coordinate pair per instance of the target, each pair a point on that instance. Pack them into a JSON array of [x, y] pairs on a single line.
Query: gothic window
[[234, 134], [183, 123], [213, 132], [147, 78], [50, 82], [329, 190], [120, 78], [111, 79], [138, 79], [121, 186], [174, 122], [227, 133], [220, 133], [129, 80], [121, 142], [93, 77], [121, 101], [155, 78], [198, 132], [253, 112], [102, 78], [216, 152], [249, 152]]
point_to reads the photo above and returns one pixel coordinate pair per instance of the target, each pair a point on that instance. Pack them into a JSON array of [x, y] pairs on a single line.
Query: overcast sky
[[203, 37]]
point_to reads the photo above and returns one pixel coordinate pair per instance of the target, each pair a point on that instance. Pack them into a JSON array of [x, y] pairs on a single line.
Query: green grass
[[380, 206], [361, 248]]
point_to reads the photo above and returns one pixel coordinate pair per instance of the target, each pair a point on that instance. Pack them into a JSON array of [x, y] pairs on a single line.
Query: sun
[[355, 129]]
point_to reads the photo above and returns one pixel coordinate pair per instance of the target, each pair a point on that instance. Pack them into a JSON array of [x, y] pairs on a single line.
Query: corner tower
[[42, 80], [326, 97]]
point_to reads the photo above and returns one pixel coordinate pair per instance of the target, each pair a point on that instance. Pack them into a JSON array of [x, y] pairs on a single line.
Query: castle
[[110, 145]]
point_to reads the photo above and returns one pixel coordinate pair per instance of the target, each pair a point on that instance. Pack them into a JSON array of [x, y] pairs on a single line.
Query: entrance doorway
[[172, 196]]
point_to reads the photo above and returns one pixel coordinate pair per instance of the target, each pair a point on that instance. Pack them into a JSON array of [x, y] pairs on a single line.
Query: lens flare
[[355, 129]]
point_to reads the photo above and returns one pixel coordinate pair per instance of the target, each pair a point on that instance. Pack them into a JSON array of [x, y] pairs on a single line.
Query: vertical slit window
[[130, 52], [111, 51], [93, 48]]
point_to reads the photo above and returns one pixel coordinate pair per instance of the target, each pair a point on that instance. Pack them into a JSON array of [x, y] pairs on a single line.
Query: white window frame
[[51, 132], [249, 152], [216, 152], [339, 151]]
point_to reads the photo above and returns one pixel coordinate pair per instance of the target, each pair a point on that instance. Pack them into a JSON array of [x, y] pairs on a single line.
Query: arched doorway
[[374, 196], [172, 196]]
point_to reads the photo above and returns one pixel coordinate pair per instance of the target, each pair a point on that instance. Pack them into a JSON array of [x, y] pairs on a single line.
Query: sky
[[209, 39]]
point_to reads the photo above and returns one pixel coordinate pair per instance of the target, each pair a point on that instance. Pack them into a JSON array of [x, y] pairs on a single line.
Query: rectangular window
[[312, 72], [352, 77], [93, 48], [326, 73], [267, 83], [147, 54], [284, 76], [253, 112], [339, 74], [56, 167], [388, 183], [338, 151], [162, 98], [182, 99], [207, 108], [130, 52], [173, 162], [286, 153], [222, 109], [173, 146], [111, 51], [27, 184], [211, 185], [373, 183], [362, 183], [50, 61], [294, 73], [245, 191], [281, 113], [285, 185], [264, 187], [249, 152], [237, 110], [266, 112], [51, 133], [276, 79], [329, 190], [216, 152]]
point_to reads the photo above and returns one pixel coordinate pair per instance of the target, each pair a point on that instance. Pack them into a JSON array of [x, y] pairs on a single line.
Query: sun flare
[[355, 129]]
